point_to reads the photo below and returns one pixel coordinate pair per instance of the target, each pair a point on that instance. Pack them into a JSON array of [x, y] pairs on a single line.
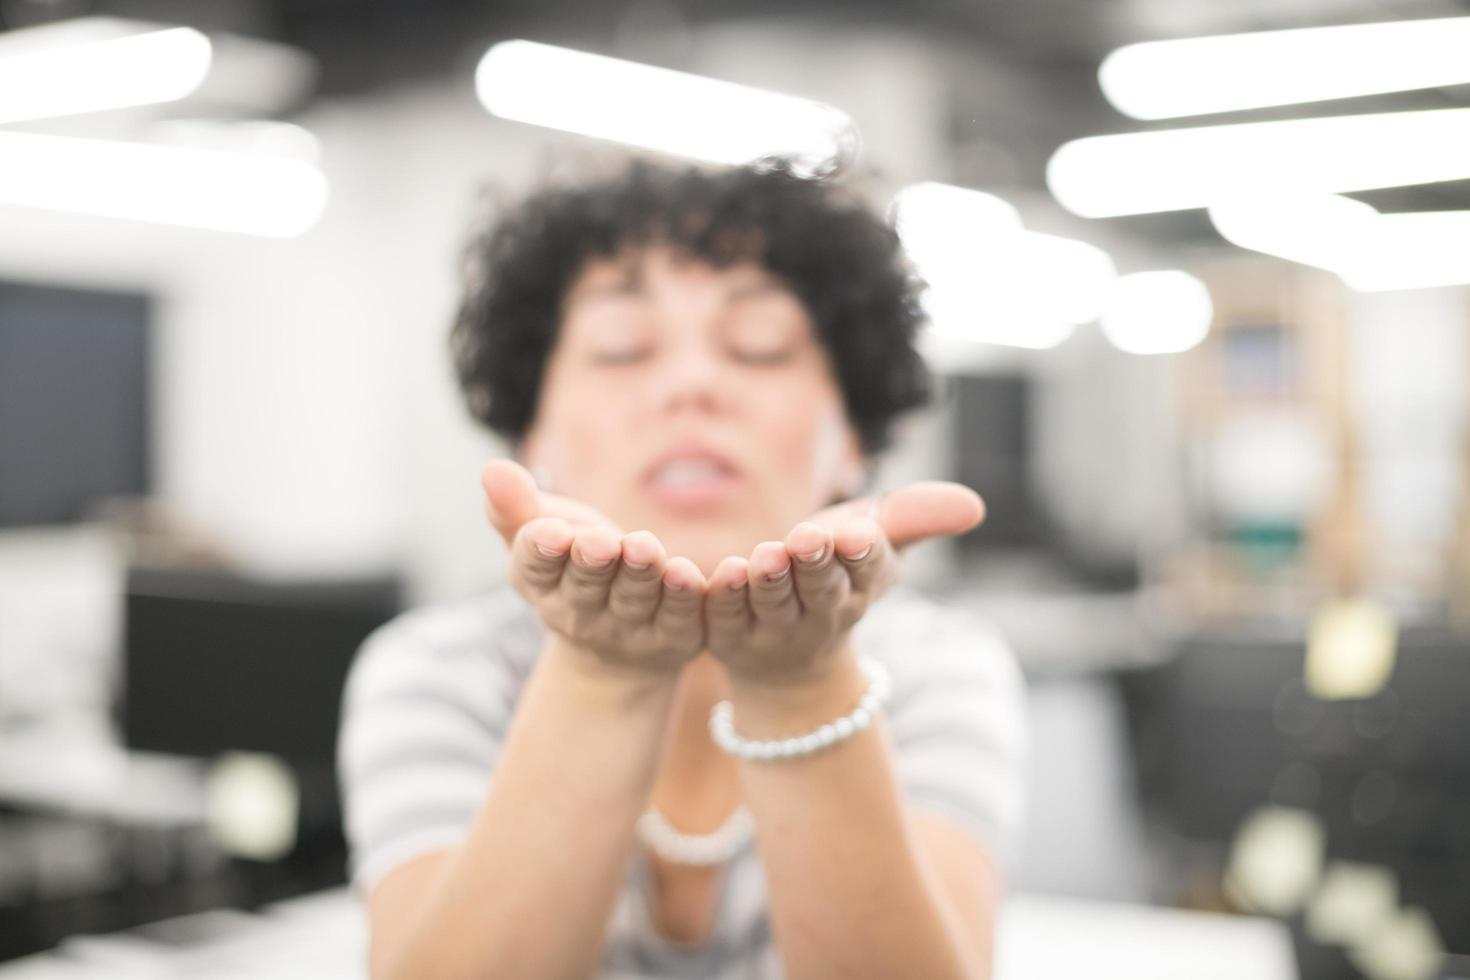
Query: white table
[[324, 937], [78, 770]]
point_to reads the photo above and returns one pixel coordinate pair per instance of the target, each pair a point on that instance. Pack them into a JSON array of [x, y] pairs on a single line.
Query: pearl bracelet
[[722, 724], [704, 850]]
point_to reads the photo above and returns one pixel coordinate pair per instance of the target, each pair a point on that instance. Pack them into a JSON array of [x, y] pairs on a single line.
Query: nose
[[694, 376]]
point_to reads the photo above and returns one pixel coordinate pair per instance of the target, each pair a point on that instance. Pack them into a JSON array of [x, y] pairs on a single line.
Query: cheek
[[829, 442], [579, 449], [576, 426], [806, 446]]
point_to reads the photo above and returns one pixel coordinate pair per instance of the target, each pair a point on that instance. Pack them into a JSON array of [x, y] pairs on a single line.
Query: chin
[[708, 538], [707, 547]]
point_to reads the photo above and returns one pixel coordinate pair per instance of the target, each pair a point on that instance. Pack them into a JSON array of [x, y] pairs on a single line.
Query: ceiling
[[1054, 46]]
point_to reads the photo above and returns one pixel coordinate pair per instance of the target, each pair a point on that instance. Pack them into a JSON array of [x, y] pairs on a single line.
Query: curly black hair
[[843, 261]]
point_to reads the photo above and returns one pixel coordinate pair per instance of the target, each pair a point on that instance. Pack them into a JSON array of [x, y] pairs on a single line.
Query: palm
[[656, 611]]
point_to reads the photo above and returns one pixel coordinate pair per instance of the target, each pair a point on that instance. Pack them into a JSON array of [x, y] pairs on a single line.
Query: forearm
[[851, 894], [530, 892]]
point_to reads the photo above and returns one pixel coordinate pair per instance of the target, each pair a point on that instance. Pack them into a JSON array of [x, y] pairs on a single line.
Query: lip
[[703, 499], [701, 452]]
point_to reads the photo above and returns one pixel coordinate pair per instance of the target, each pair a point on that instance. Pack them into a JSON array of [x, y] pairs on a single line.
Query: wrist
[[766, 708], [600, 684]]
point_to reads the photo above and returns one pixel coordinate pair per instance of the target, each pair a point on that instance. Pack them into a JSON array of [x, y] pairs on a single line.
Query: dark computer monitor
[[1232, 712], [1229, 725], [215, 662], [74, 401]]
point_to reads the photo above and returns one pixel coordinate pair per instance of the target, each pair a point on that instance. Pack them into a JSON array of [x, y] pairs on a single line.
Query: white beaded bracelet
[[718, 847], [722, 724]]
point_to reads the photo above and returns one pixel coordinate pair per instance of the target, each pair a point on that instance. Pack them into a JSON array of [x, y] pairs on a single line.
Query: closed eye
[[763, 357], [628, 356]]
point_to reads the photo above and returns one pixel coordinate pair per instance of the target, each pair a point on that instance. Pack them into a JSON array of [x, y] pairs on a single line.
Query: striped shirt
[[431, 694]]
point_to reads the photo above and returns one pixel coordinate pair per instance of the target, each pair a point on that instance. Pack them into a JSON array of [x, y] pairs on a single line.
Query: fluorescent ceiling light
[[1310, 229], [949, 232], [1372, 252], [1161, 312], [1000, 317], [1192, 76], [669, 111], [1138, 173], [250, 193], [1416, 250], [945, 213], [258, 136], [1066, 277], [989, 279], [62, 73]]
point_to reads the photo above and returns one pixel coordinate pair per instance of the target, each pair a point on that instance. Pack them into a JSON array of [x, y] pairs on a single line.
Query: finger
[[638, 585], [511, 497], [875, 507], [772, 598], [539, 553], [589, 572], [726, 607], [863, 550], [683, 593], [819, 580], [928, 509]]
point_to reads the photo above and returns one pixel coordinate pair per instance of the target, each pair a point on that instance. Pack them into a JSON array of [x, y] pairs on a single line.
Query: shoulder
[[426, 706], [437, 682], [487, 642]]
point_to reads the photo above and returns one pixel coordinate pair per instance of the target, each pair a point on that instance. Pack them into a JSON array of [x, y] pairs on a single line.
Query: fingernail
[[815, 556], [778, 576], [862, 554], [547, 552]]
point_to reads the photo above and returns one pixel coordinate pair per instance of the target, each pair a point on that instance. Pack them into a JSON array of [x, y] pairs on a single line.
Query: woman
[[700, 368]]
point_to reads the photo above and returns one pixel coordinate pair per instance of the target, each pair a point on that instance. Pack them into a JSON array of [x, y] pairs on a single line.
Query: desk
[[1043, 938], [324, 937], [79, 770]]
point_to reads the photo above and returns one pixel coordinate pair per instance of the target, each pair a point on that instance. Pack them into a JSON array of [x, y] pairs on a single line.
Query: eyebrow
[[631, 283], [767, 285]]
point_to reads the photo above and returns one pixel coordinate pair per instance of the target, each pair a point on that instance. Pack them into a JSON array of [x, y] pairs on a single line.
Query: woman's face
[[694, 402]]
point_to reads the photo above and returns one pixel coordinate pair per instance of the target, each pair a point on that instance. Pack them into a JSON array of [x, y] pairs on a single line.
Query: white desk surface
[[78, 769], [324, 936]]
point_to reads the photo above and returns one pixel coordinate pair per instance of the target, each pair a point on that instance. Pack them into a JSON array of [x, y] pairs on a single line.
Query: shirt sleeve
[[958, 719], [422, 727]]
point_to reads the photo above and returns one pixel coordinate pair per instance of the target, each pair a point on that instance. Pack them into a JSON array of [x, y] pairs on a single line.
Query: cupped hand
[[615, 597], [779, 615]]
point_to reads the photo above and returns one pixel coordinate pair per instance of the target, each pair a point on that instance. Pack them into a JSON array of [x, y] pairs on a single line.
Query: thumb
[[511, 497], [928, 509]]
